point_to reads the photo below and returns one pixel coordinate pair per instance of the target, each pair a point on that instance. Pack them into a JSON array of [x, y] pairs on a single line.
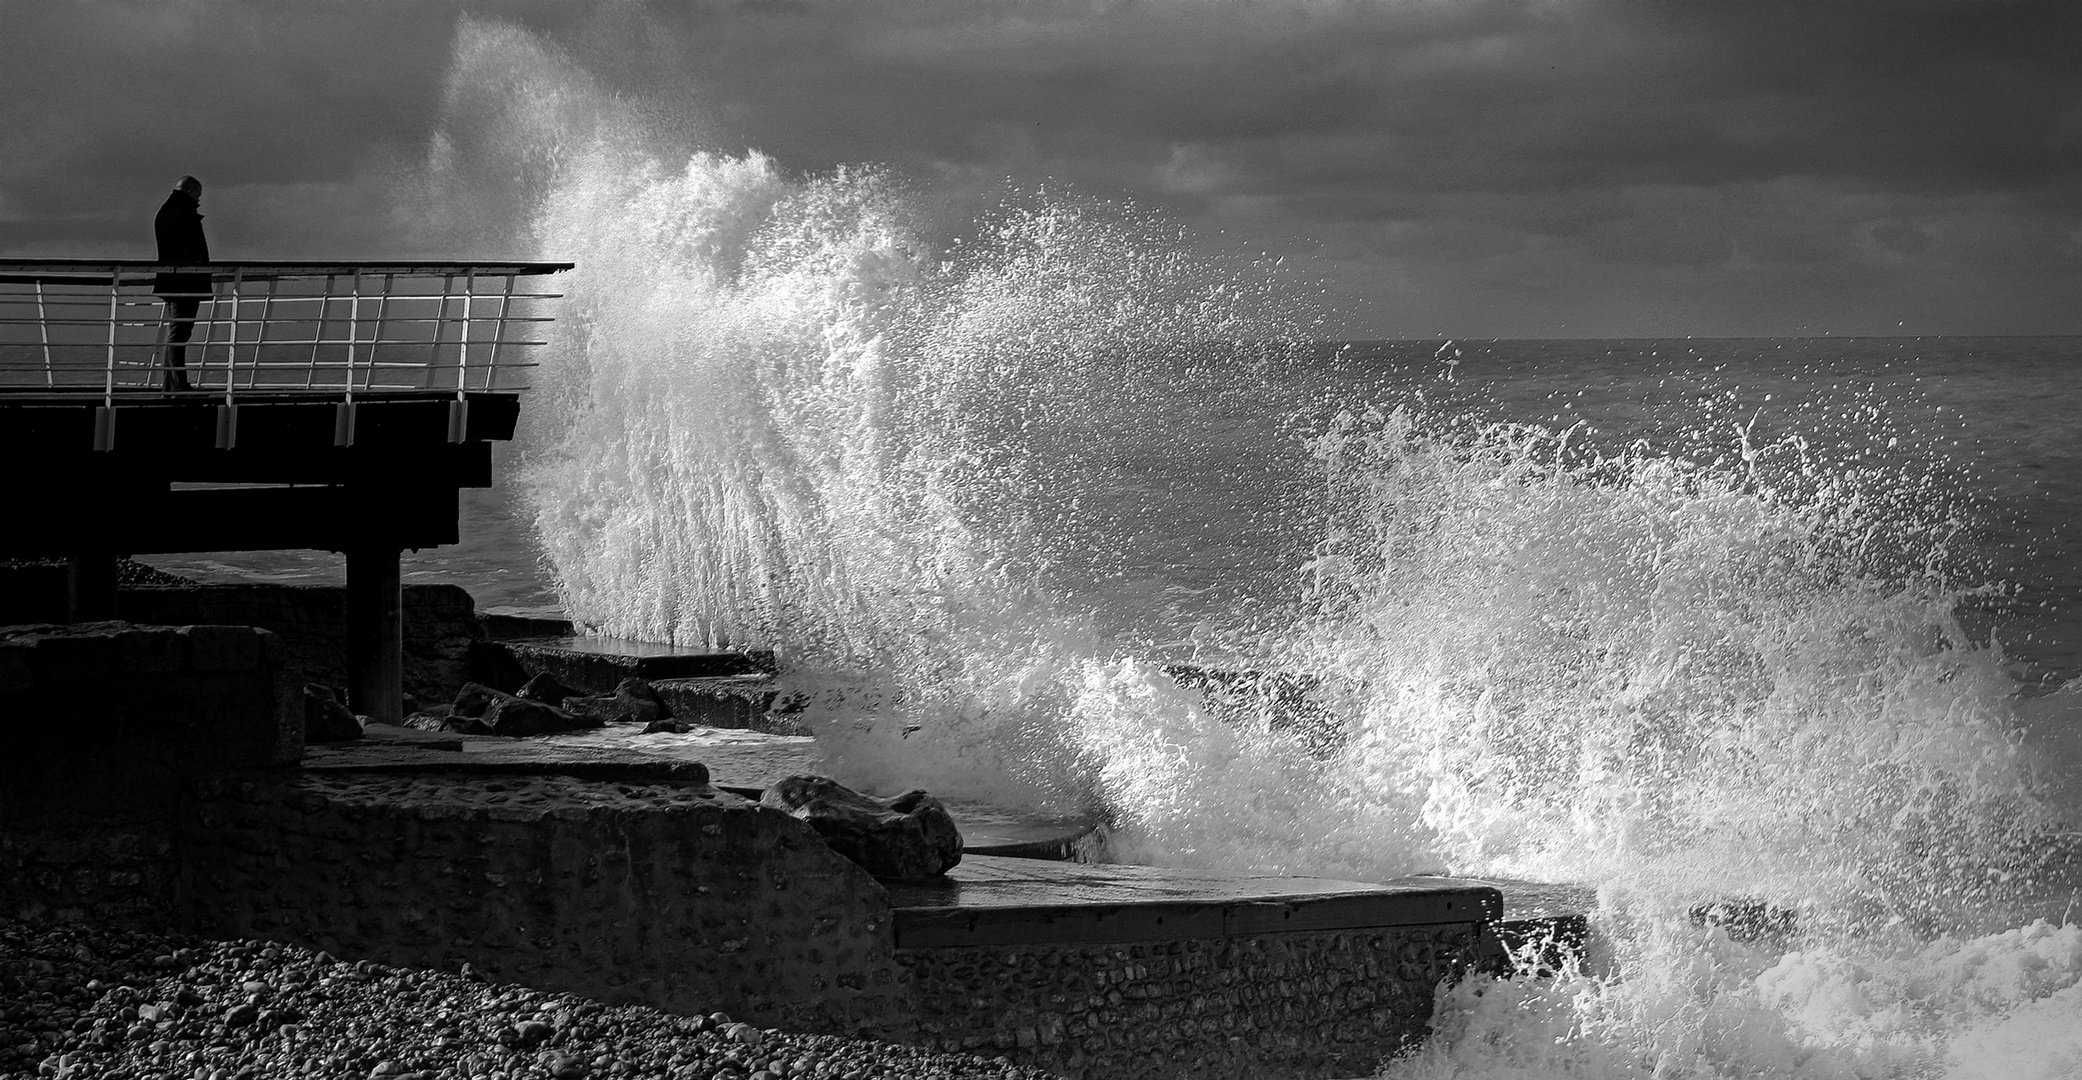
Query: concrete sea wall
[[674, 895], [690, 899], [106, 727], [154, 778], [1322, 1003]]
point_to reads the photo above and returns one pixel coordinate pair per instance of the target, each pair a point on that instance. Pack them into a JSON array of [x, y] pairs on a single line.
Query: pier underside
[[279, 470]]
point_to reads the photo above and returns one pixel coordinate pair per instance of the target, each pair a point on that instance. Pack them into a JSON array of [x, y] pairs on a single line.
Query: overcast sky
[[1458, 167]]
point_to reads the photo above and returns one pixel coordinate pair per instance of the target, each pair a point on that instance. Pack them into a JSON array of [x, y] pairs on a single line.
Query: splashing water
[[789, 411], [787, 423]]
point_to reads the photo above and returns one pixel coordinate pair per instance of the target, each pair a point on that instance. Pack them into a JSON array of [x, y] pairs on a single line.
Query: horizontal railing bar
[[255, 269], [146, 299], [204, 320], [140, 299], [285, 365], [243, 393]]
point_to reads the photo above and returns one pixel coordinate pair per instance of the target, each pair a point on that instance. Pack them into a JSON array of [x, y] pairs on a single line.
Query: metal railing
[[109, 328]]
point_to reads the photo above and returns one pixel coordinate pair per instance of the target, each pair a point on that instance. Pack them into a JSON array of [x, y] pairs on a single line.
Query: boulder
[[907, 838], [633, 702], [474, 698], [431, 718], [481, 710], [669, 726], [548, 689], [325, 719], [509, 714]]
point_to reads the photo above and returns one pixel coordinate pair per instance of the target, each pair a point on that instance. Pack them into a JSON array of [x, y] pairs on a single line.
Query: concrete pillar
[[375, 634], [90, 587]]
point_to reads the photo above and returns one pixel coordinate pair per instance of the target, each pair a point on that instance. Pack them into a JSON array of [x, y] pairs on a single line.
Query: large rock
[[431, 718], [633, 702], [549, 690], [907, 838], [511, 715], [481, 710], [325, 719], [474, 698]]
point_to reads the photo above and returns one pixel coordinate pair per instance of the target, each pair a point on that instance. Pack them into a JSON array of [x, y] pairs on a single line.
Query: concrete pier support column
[[90, 587], [375, 634]]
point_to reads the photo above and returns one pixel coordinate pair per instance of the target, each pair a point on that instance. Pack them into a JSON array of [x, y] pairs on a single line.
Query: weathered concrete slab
[[742, 762], [1541, 899], [989, 900], [597, 663], [727, 701]]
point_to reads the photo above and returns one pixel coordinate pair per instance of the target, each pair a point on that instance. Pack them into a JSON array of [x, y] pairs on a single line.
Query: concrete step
[[727, 701], [999, 901], [596, 664]]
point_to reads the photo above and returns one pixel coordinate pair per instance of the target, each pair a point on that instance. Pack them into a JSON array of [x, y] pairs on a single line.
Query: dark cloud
[[1466, 166]]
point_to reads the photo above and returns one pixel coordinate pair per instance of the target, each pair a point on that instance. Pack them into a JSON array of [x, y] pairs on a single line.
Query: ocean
[[1784, 621]]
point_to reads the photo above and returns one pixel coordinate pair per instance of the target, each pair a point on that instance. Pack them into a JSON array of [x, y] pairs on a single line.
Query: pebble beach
[[79, 1003]]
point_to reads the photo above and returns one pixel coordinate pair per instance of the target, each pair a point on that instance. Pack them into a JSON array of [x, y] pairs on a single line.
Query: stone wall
[[1308, 1004], [440, 627], [106, 726], [670, 894]]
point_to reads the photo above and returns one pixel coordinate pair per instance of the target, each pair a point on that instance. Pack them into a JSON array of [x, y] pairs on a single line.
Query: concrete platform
[[742, 762], [996, 901]]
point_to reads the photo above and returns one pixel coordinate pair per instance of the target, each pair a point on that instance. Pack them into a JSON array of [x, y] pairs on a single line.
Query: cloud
[[1479, 166]]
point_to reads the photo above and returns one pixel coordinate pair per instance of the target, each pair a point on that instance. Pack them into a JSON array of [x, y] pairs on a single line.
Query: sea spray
[[1695, 682], [784, 420], [1608, 663], [1674, 1001], [780, 409]]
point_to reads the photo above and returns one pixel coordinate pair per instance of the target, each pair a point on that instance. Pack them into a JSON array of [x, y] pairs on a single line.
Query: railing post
[[325, 301], [267, 306], [462, 352], [491, 367], [43, 328], [105, 416], [376, 339], [228, 412], [209, 334], [459, 409], [440, 328], [343, 413]]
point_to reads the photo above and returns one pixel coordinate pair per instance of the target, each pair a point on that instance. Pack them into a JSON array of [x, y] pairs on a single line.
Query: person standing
[[178, 228]]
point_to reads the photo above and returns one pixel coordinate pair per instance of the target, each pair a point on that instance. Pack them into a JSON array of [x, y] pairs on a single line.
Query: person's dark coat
[[178, 228]]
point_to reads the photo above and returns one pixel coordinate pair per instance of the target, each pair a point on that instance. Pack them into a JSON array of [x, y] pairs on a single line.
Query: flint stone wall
[[105, 727], [674, 895], [1307, 1004]]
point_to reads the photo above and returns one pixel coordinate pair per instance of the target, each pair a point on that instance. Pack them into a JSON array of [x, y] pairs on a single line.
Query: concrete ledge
[[993, 901], [596, 664]]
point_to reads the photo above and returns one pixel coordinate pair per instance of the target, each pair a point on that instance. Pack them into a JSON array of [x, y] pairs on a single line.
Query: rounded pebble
[[190, 1009]]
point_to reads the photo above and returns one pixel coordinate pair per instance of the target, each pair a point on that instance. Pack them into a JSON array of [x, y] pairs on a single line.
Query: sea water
[[1778, 621]]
